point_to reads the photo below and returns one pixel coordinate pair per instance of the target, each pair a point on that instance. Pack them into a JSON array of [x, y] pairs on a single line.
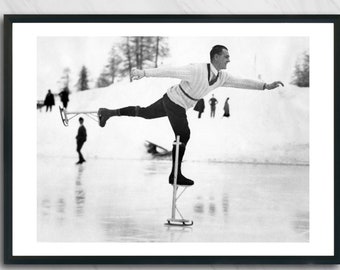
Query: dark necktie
[[214, 79]]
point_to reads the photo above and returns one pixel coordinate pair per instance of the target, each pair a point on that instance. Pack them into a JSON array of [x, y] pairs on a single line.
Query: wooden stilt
[[173, 220]]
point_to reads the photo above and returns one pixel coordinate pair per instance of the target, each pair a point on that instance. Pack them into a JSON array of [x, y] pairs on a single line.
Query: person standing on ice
[[81, 139], [49, 100], [213, 102], [226, 108], [197, 80], [64, 96]]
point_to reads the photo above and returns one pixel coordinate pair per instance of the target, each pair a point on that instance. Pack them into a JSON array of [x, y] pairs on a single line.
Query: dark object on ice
[[156, 150], [199, 107], [40, 104]]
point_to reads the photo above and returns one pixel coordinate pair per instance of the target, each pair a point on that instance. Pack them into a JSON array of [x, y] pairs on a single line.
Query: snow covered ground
[[264, 127], [251, 170]]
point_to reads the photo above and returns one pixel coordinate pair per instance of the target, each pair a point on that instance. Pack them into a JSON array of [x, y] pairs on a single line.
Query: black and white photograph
[[177, 139], [247, 175]]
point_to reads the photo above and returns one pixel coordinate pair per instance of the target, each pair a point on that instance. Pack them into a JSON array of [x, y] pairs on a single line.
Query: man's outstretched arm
[[183, 73], [238, 82]]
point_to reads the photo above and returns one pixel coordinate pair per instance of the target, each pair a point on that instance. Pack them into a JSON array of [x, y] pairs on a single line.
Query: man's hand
[[137, 74], [273, 85]]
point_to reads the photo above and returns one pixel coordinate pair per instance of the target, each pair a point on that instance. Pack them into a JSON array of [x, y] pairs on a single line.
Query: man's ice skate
[[179, 149], [181, 180], [103, 116]]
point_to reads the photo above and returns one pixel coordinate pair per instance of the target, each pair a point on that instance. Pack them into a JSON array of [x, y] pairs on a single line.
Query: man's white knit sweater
[[194, 81]]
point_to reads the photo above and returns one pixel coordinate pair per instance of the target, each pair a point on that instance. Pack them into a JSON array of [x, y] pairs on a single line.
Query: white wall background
[[159, 7]]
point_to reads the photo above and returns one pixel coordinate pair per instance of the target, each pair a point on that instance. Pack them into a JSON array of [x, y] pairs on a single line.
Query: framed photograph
[[171, 139]]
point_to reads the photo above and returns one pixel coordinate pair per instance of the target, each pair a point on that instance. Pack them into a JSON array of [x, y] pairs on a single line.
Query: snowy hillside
[[264, 127]]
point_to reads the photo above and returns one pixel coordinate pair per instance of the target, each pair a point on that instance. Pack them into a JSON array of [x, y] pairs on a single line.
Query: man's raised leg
[[152, 111]]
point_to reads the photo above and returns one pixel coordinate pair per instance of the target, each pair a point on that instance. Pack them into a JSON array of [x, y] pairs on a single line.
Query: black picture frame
[[10, 20]]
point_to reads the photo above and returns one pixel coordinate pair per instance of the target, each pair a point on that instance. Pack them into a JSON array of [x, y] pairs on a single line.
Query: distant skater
[[49, 100], [197, 80], [199, 107], [81, 139], [64, 97], [213, 102], [226, 108]]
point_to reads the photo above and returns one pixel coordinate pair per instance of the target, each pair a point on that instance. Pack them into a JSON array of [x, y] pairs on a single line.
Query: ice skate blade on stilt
[[173, 221], [64, 114], [179, 222]]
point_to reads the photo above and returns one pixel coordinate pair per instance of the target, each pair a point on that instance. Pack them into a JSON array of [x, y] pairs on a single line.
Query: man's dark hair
[[81, 119], [217, 49]]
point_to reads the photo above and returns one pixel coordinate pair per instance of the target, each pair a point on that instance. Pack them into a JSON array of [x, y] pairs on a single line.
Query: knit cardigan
[[194, 81]]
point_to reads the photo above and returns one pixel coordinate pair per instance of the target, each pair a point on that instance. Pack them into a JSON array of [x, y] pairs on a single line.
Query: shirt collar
[[213, 69]]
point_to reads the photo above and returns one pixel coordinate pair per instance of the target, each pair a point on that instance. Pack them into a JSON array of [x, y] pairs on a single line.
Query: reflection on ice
[[176, 233], [120, 226], [199, 207], [301, 223], [153, 167], [61, 210], [45, 208], [129, 201], [79, 192], [212, 209], [225, 204]]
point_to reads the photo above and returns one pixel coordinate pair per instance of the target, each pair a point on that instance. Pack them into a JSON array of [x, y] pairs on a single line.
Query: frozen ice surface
[[130, 200]]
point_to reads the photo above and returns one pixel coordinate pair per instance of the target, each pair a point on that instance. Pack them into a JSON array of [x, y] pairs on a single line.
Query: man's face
[[221, 60]]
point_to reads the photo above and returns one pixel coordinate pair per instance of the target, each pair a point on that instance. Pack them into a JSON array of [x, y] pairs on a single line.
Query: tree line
[[130, 52]]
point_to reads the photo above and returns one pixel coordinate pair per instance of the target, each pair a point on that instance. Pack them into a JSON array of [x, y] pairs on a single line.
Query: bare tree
[[139, 52], [114, 61], [157, 51], [127, 61], [161, 48], [111, 70]]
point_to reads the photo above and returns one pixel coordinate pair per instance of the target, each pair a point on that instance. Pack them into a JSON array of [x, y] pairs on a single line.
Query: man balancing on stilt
[[197, 80]]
